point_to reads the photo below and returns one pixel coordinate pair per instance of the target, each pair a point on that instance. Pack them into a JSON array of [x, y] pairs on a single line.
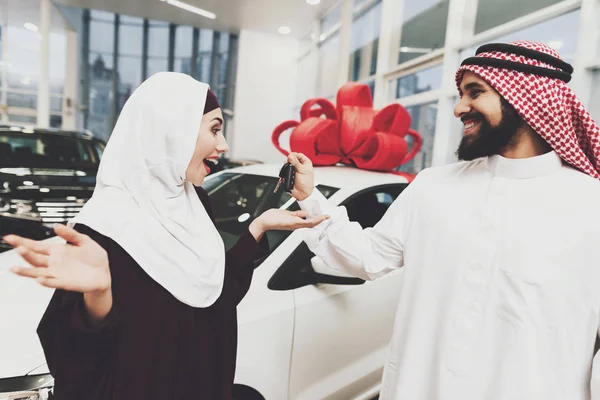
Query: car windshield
[[238, 198], [48, 151]]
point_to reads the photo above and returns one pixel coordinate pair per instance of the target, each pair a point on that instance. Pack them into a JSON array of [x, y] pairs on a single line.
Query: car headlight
[[29, 387], [18, 208]]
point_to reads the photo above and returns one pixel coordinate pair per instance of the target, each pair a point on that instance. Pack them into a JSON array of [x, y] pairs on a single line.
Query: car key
[[286, 178]]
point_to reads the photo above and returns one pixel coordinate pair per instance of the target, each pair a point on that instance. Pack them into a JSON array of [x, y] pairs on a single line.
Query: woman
[[147, 296]]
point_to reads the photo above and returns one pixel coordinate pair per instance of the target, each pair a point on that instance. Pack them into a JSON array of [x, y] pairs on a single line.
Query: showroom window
[[364, 42], [205, 55], [307, 73], [184, 41], [101, 71], [559, 33], [491, 13], [423, 118], [20, 75], [131, 34], [331, 20], [328, 66], [145, 47], [158, 47], [219, 81], [595, 99], [423, 81], [423, 28]]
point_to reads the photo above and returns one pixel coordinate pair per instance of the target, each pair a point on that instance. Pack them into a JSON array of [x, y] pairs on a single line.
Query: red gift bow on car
[[352, 133]]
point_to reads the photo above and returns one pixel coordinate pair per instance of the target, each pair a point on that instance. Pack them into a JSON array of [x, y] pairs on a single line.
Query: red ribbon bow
[[352, 133]]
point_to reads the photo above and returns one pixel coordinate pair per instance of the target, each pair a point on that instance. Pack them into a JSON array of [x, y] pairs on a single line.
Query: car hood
[[22, 304], [39, 183]]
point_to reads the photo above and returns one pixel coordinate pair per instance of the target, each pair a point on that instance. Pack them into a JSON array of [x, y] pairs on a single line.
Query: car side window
[[238, 198], [366, 208]]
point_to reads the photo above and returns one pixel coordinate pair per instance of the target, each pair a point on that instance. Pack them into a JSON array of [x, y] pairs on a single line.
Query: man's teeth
[[470, 124]]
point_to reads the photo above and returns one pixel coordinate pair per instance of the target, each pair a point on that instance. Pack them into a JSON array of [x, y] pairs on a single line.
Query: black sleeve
[[241, 258], [74, 351], [240, 261]]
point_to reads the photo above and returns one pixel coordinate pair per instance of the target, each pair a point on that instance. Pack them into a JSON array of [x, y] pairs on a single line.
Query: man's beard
[[491, 140]]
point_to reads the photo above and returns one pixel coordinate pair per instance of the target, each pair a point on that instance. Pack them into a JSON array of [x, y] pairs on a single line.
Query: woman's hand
[[79, 267], [276, 219]]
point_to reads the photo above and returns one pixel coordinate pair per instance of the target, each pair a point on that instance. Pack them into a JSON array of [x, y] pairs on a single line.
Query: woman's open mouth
[[210, 164]]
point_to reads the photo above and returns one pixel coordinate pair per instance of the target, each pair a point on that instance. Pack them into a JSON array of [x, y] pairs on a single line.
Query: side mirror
[[324, 274]]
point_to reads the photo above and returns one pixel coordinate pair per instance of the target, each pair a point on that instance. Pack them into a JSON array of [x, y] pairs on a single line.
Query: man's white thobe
[[501, 290]]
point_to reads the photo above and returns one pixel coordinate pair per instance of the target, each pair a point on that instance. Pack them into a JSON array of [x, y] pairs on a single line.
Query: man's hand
[[304, 183]]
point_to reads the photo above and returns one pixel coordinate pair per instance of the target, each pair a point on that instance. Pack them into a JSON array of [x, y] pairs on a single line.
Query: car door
[[343, 328]]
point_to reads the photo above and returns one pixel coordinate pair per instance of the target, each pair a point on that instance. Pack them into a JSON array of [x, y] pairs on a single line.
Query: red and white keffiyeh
[[545, 102]]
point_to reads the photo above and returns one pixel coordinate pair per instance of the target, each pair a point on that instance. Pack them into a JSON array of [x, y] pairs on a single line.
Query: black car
[[46, 176]]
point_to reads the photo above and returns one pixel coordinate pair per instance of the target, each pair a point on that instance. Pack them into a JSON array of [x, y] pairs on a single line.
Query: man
[[501, 289]]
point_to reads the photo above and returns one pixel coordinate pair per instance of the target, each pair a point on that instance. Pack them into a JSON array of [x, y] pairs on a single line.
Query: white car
[[305, 331]]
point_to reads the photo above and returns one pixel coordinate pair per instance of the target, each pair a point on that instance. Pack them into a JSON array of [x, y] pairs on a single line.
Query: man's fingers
[[302, 158], [32, 257], [292, 159], [31, 272], [298, 159], [18, 241], [70, 234]]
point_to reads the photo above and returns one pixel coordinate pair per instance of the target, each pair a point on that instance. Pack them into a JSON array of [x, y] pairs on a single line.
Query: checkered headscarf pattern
[[548, 105]]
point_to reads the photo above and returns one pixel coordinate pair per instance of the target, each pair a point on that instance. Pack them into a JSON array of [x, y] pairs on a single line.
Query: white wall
[[264, 96]]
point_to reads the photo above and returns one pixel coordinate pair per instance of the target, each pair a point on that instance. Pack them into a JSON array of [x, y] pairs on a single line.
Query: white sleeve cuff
[[317, 204]]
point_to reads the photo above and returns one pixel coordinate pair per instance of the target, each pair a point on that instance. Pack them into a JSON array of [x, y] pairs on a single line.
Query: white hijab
[[142, 200]]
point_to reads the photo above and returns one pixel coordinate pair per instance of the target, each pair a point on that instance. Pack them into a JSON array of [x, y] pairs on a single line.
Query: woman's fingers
[[300, 214], [70, 234], [32, 272], [33, 258], [37, 246], [50, 282], [314, 221]]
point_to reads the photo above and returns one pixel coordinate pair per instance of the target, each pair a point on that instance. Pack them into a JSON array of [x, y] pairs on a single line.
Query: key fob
[[287, 176], [290, 177]]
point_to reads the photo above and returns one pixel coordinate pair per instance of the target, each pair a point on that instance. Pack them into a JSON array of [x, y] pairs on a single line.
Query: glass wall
[[20, 69], [419, 82], [559, 32], [417, 35], [364, 43], [205, 55], [158, 47], [331, 20], [184, 49], [328, 66], [423, 28], [491, 13], [423, 118], [131, 34], [595, 100], [101, 72], [143, 48]]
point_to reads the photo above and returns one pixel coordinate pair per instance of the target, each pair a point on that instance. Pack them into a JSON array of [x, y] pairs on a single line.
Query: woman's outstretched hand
[[277, 219], [81, 266]]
